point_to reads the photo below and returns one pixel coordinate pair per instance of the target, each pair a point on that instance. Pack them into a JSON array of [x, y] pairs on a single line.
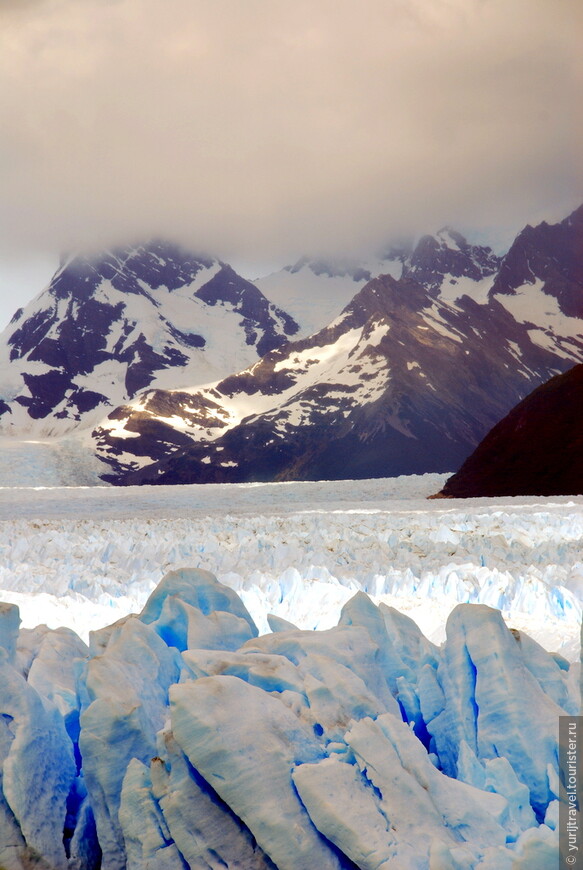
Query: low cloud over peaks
[[264, 129]]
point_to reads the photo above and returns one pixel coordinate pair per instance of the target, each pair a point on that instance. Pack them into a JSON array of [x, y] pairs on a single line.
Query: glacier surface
[[182, 737], [86, 556], [352, 672]]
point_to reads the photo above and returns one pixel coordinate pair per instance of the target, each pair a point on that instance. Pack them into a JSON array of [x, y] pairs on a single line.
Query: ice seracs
[[294, 749], [38, 771], [83, 557]]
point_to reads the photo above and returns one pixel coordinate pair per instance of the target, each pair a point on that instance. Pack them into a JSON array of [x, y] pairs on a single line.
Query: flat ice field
[[85, 556]]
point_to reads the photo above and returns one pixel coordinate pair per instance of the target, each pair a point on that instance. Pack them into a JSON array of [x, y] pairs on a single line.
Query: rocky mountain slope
[[108, 327], [537, 449], [408, 379]]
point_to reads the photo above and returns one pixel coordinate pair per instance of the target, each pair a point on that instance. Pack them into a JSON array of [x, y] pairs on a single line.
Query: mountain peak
[[452, 238], [405, 379], [112, 324], [204, 384], [155, 264], [448, 256], [549, 256]]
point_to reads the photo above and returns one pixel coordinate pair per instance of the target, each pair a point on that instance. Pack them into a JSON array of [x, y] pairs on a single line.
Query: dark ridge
[[248, 301], [537, 449]]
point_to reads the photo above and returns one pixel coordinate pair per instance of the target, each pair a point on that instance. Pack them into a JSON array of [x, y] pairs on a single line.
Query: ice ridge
[[181, 738]]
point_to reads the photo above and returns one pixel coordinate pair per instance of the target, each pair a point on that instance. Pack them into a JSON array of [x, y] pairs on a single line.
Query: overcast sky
[[260, 129]]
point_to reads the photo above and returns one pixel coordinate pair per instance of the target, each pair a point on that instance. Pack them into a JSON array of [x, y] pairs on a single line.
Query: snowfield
[[85, 556]]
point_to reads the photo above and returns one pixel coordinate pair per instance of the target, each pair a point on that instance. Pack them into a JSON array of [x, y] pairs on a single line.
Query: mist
[[262, 130]]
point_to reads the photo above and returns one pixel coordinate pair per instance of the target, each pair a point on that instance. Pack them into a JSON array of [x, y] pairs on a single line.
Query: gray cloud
[[266, 128]]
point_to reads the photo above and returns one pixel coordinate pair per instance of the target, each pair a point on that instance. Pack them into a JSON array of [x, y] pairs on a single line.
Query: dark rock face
[[403, 382], [44, 390], [537, 449], [107, 328], [449, 253]]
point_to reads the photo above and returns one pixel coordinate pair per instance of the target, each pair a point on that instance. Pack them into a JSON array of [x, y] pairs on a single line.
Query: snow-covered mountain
[[537, 449], [109, 326], [408, 378], [316, 291]]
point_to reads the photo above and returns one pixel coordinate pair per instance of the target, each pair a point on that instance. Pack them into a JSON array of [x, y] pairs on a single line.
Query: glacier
[[183, 737], [284, 675], [86, 556]]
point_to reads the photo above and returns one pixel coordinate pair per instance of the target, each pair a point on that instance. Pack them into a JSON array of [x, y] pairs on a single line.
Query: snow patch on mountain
[[550, 327], [453, 288]]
